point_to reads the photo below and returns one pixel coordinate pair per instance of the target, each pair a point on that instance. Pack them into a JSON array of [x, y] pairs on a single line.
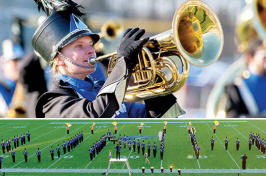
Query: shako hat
[[62, 26]]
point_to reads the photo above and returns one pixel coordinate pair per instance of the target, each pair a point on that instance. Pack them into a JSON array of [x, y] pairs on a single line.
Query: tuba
[[196, 37], [251, 24]]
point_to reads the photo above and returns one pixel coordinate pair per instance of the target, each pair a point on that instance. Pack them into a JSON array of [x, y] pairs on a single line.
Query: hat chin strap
[[76, 64]]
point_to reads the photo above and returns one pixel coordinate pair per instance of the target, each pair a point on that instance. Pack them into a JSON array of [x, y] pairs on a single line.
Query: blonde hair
[[54, 68]]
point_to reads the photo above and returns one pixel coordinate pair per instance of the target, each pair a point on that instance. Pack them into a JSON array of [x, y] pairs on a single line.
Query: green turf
[[178, 149]]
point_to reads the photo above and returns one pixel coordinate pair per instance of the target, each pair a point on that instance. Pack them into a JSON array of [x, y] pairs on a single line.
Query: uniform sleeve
[[165, 106], [234, 104], [136, 110], [108, 100]]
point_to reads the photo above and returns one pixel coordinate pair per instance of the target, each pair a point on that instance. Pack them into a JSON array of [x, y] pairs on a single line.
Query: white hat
[[11, 50]]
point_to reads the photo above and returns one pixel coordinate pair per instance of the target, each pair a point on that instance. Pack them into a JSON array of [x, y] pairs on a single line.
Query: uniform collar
[[86, 84]]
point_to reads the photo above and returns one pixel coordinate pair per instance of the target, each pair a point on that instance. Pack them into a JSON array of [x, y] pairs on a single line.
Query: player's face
[[10, 69], [78, 51], [259, 60]]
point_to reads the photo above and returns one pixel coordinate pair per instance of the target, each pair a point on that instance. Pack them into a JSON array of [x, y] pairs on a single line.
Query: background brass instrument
[[110, 30], [17, 108], [196, 37], [251, 24]]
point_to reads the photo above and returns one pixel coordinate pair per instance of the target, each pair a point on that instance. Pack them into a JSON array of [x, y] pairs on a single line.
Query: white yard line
[[198, 163], [136, 171], [48, 146], [223, 145], [106, 144], [256, 127], [44, 134], [238, 131], [127, 158], [30, 130]]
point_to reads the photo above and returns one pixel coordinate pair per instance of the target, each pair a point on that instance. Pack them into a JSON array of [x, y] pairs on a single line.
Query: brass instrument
[[251, 24], [196, 37], [17, 108], [110, 30]]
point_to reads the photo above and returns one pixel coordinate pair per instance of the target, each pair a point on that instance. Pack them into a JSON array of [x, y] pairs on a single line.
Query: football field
[[178, 151]]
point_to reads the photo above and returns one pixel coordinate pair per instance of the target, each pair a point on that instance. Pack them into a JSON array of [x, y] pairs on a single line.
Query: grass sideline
[[178, 149]]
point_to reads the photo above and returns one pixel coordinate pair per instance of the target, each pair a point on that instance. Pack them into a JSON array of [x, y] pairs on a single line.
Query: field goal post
[[119, 160]]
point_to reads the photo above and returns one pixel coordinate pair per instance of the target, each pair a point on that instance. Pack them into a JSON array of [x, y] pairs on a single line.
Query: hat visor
[[78, 35]]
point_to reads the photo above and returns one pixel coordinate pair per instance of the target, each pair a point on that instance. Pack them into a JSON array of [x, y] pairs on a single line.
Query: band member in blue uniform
[[21, 140], [197, 151], [134, 145], [149, 148], [15, 142], [1, 157], [212, 142], [143, 147], [124, 141], [154, 149], [24, 138], [25, 153], [7, 146], [13, 155], [129, 144], [237, 144], [28, 136], [250, 143], [38, 153], [118, 148], [68, 145], [114, 138], [120, 139], [64, 147], [52, 153], [94, 150], [244, 161], [226, 143], [138, 146], [161, 152], [91, 153], [58, 151], [109, 134]]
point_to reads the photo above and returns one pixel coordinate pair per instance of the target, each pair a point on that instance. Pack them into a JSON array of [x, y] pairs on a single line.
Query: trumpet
[[196, 37]]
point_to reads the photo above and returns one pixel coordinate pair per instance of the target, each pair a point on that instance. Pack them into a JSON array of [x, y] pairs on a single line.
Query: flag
[[68, 124], [189, 123], [165, 122], [216, 122], [93, 124], [114, 123], [141, 123]]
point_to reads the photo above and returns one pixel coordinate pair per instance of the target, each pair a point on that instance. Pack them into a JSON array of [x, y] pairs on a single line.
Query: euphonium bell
[[196, 37], [251, 23], [110, 30]]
